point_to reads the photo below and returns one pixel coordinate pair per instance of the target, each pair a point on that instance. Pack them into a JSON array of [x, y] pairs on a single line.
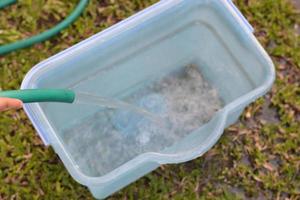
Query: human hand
[[7, 103]]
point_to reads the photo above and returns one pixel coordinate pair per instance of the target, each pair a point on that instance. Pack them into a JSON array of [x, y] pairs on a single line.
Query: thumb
[[7, 103]]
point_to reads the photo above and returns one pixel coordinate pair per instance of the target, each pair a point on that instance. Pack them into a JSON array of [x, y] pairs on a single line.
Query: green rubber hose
[[41, 95], [4, 49], [4, 3]]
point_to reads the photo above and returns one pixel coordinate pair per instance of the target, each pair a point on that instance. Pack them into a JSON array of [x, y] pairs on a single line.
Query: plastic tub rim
[[146, 157]]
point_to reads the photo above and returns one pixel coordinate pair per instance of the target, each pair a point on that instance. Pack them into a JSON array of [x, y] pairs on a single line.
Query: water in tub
[[165, 112]]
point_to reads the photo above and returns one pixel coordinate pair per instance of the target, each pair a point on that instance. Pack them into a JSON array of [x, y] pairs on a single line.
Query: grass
[[258, 157]]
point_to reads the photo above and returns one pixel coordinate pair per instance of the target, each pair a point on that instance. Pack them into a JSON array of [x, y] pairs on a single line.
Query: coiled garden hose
[[7, 48]]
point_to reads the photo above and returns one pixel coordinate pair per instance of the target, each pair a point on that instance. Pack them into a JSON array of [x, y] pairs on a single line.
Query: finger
[[7, 103]]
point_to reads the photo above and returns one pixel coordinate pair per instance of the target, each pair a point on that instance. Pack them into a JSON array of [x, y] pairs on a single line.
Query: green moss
[[257, 157]]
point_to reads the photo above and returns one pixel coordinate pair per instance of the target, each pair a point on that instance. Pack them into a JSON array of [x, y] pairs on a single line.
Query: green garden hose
[[4, 3], [40, 95], [4, 49]]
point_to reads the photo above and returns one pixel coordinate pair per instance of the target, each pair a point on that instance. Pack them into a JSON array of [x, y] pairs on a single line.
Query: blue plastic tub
[[211, 34]]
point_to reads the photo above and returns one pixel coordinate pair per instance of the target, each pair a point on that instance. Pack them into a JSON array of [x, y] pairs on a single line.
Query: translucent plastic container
[[209, 34]]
